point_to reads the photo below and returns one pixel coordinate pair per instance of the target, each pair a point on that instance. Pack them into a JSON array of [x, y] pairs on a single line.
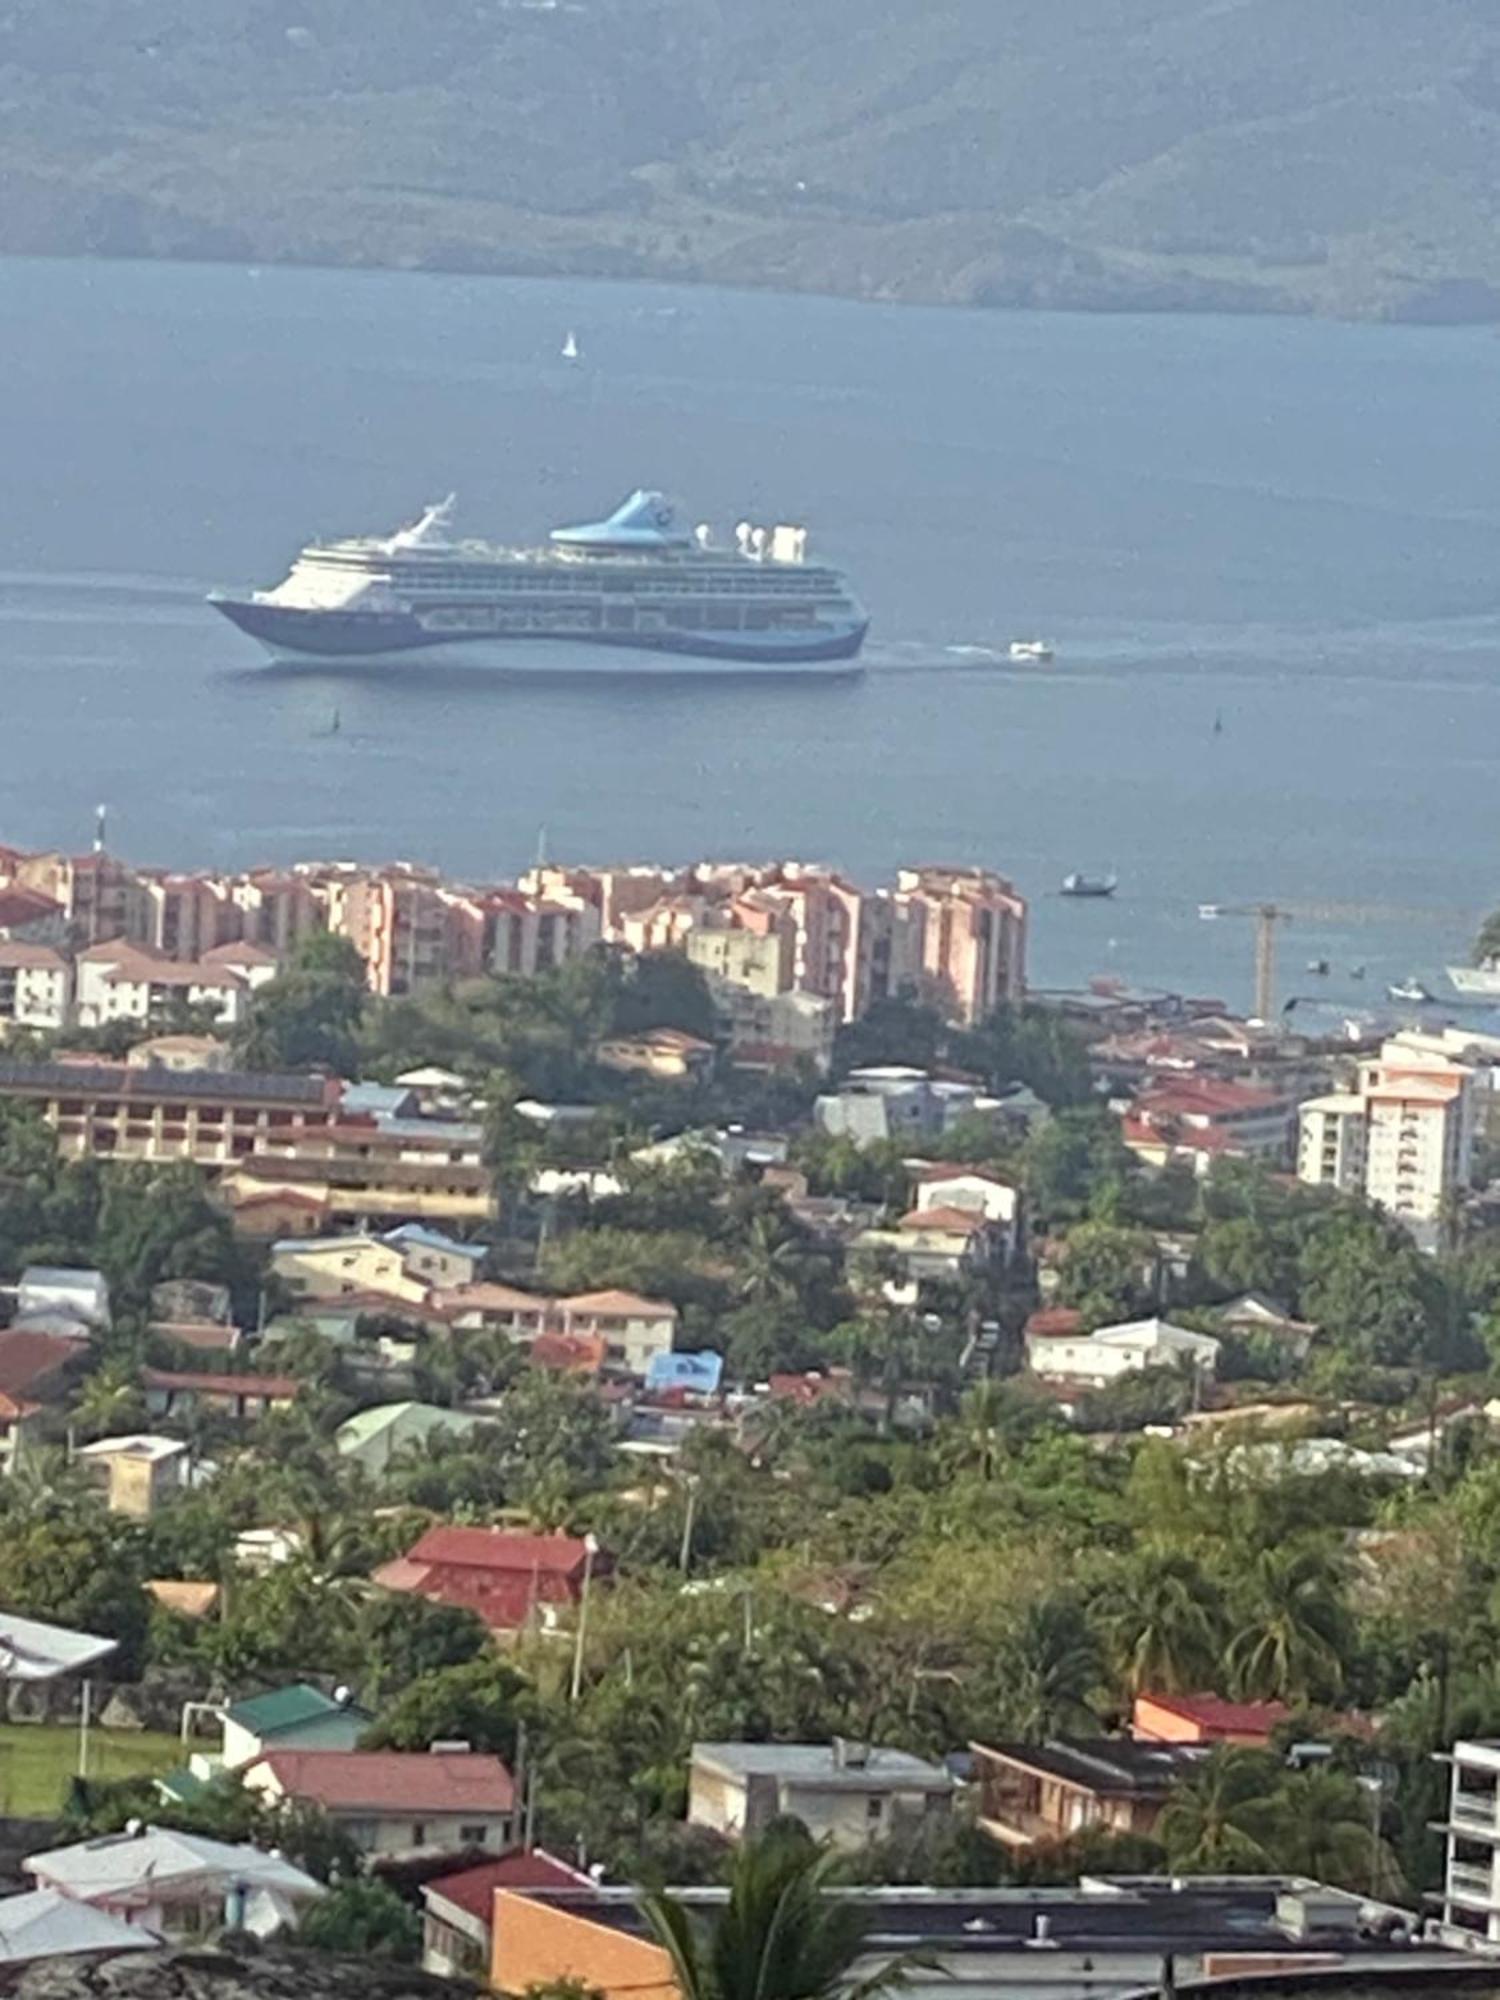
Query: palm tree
[[979, 1424], [780, 1936], [1323, 1828], [1291, 1643], [1167, 1626], [769, 1264], [1051, 1668], [1215, 1823]]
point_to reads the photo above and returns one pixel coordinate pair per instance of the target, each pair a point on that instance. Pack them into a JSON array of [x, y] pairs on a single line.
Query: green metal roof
[[282, 1708]]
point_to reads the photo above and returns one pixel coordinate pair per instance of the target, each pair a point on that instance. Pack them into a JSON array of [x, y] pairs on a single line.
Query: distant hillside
[[1326, 155]]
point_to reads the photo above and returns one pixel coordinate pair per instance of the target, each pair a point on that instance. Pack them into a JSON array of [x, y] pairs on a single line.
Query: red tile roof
[[473, 1889], [26, 906], [1054, 1323], [623, 1304], [1214, 1715], [946, 1221], [27, 1359], [407, 1781], [498, 1549], [952, 1170]]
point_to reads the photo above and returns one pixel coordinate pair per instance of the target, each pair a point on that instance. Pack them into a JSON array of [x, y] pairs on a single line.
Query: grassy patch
[[38, 1759]]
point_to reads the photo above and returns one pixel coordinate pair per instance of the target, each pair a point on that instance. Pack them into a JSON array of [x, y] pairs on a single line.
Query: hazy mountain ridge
[[1257, 154]]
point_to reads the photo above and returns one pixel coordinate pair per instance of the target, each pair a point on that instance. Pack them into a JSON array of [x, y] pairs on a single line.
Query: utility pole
[[590, 1549]]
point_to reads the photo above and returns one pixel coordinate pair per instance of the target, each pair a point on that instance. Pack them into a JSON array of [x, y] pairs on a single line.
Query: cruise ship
[[639, 580]]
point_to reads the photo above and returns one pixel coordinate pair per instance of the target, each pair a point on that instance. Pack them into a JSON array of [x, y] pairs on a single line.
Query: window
[[418, 1833], [874, 1810], [473, 1836]]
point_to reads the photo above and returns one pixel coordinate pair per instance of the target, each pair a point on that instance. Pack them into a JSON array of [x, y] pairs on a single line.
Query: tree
[[364, 1917], [1107, 1272], [78, 1568], [1215, 1822], [1049, 1669], [1165, 1624], [1487, 942], [663, 989], [1293, 1631], [779, 1936], [1366, 1284], [478, 1703], [1320, 1825], [308, 1016], [404, 1640]]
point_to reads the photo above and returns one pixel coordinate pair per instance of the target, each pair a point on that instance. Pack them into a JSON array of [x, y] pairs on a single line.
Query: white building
[[1332, 1139], [977, 1188], [129, 982], [1404, 1138], [848, 1793], [1471, 1876], [634, 1330], [1093, 1359], [178, 1884], [36, 987], [1421, 1141]]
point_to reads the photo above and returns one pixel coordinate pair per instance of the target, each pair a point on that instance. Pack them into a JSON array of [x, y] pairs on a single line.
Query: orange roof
[[630, 1303], [569, 1353], [946, 1221]]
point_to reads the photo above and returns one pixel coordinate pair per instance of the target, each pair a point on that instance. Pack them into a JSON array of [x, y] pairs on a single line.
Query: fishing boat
[[1409, 989], [1318, 967], [1033, 652], [1088, 885]]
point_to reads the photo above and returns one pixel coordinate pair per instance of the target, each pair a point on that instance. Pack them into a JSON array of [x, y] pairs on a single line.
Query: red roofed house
[[1201, 1119], [1205, 1718], [38, 1367], [459, 1918], [36, 985], [28, 917], [941, 1185], [397, 1802], [508, 1580]]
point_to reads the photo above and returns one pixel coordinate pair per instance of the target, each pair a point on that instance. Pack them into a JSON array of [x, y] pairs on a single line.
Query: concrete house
[[82, 1294], [137, 1472], [331, 1267], [372, 1438], [178, 1885], [398, 1802], [299, 1717], [1091, 1360], [848, 1793]]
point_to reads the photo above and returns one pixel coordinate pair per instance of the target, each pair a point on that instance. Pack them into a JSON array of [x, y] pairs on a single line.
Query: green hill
[[1338, 156]]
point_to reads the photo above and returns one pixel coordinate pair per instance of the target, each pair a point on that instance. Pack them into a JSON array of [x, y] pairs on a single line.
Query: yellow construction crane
[[1268, 915]]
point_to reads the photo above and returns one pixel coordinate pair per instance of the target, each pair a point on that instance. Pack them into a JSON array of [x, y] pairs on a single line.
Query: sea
[[1267, 552]]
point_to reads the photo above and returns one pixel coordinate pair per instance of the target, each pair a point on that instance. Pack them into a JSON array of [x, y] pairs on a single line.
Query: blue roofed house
[[699, 1374], [436, 1259]]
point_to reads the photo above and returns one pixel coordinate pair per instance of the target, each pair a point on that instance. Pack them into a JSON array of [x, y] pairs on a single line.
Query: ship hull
[[367, 638]]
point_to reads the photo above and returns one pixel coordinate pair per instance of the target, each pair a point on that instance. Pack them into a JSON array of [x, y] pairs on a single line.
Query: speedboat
[[1318, 967], [1088, 885], [1035, 651], [1409, 989]]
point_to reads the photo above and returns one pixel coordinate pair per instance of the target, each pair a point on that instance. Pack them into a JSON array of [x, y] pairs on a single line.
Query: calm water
[[1291, 526]]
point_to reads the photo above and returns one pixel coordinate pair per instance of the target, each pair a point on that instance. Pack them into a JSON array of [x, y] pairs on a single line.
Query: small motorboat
[[1088, 885], [570, 347], [1037, 652], [1409, 989], [1208, 911], [1318, 967]]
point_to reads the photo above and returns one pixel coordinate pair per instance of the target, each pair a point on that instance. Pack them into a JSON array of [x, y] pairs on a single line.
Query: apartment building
[[1332, 1141], [971, 928], [114, 1111], [120, 981], [1471, 1874], [1404, 1138], [36, 987]]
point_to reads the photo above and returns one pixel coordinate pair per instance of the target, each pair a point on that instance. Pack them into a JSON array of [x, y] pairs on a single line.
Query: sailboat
[[570, 348]]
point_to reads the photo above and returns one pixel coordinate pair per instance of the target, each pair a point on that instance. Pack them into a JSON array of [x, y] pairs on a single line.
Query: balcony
[[1470, 1883]]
